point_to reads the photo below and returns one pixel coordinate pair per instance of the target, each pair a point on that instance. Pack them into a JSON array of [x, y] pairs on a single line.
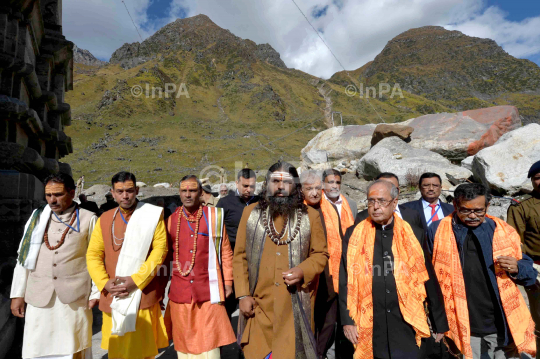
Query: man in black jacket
[[233, 205], [409, 215], [393, 337], [235, 202], [430, 207]]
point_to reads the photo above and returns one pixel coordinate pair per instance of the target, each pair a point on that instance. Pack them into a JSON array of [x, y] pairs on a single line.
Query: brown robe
[[272, 327]]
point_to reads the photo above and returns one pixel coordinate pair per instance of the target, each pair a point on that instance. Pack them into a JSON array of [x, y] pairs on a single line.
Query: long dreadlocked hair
[[296, 193]]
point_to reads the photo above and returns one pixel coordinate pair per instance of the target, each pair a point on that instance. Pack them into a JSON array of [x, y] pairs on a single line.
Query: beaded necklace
[[277, 238], [194, 235], [68, 227], [117, 241]]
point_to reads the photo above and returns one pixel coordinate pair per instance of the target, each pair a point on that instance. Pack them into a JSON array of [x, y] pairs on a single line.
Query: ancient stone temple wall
[[36, 69]]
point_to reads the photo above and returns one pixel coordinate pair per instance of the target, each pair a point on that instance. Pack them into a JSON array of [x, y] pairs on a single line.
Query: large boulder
[[459, 135], [500, 119], [453, 135], [385, 130], [504, 166], [394, 155], [337, 143]]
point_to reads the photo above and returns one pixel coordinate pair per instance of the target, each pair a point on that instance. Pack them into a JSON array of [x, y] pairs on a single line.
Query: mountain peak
[[82, 56], [197, 20], [443, 64], [198, 35]]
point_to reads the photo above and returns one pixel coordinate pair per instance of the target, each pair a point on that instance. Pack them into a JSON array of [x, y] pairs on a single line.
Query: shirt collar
[[426, 204], [339, 201]]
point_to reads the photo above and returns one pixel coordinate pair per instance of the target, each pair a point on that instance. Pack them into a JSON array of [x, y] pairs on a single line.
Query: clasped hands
[[120, 286]]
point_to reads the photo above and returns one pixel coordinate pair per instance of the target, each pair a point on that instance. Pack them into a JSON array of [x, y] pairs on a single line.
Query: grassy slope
[[174, 137], [258, 115]]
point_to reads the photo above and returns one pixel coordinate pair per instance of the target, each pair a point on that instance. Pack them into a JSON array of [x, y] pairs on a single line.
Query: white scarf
[[137, 240]]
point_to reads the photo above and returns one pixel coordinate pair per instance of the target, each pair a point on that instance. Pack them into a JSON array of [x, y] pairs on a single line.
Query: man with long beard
[[280, 252], [127, 248], [51, 277]]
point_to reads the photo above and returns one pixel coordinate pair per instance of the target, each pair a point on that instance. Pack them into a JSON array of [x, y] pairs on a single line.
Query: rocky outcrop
[[503, 167], [386, 130], [266, 53], [394, 155], [85, 57], [343, 142], [130, 55]]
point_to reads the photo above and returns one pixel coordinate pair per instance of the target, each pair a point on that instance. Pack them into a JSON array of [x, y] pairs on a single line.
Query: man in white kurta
[[51, 286]]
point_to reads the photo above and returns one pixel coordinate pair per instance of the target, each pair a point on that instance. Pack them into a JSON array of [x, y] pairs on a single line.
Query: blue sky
[[356, 30], [517, 9]]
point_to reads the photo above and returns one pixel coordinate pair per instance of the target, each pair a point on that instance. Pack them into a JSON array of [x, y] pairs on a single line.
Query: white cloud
[[520, 39], [356, 31]]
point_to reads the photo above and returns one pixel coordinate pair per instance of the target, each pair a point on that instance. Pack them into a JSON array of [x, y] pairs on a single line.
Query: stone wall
[[36, 69]]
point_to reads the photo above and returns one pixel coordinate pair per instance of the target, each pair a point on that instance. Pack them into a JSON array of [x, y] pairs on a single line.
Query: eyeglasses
[[381, 202], [477, 212], [434, 186]]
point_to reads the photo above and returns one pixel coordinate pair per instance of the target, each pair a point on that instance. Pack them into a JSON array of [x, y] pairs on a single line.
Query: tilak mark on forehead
[[124, 185], [281, 175], [187, 185]]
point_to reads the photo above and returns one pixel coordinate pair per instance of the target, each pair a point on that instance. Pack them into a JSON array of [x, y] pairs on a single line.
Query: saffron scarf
[[410, 274], [447, 265], [333, 237]]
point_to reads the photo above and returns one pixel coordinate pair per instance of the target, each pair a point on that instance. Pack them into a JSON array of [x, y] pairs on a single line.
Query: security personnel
[[525, 218]]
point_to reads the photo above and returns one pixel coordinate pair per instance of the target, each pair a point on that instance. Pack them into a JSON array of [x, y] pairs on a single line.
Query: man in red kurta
[[201, 276]]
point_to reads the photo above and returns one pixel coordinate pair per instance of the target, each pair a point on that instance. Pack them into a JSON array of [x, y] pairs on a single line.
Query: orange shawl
[[333, 237], [447, 265], [410, 274]]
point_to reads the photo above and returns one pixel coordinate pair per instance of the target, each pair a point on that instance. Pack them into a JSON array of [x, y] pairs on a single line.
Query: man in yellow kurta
[[127, 248], [280, 252]]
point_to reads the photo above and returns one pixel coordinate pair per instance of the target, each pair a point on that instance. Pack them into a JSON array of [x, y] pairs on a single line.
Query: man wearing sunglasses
[[479, 265]]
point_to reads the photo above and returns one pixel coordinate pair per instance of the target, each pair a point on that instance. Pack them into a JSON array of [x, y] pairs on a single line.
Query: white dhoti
[[58, 330]]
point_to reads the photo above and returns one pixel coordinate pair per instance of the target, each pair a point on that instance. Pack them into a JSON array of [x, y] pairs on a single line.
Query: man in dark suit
[[431, 209], [410, 216], [393, 337]]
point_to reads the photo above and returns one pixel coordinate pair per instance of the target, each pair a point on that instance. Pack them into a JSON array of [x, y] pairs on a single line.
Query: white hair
[[310, 176]]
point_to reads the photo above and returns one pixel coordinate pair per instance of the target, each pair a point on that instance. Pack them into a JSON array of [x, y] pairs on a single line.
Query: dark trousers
[[533, 293], [329, 330], [325, 325]]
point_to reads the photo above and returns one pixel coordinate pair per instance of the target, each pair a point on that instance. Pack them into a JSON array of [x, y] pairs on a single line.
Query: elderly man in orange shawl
[[386, 280], [479, 263]]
